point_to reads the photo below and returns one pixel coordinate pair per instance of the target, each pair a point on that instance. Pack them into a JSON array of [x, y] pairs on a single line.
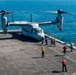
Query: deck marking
[[65, 56]]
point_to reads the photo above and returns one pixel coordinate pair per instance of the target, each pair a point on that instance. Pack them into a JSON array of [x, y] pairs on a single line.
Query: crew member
[[42, 40], [71, 46], [64, 49], [54, 42], [64, 68], [51, 41], [43, 52], [46, 40]]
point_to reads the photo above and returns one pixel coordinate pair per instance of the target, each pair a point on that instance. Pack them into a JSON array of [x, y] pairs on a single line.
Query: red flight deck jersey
[[65, 47], [64, 62]]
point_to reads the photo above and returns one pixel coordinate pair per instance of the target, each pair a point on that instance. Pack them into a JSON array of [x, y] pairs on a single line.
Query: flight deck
[[21, 55]]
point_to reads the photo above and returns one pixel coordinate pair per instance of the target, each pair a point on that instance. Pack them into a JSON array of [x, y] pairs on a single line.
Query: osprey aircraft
[[32, 29]]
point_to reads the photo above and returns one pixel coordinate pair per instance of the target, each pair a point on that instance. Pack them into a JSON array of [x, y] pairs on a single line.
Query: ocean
[[36, 7]]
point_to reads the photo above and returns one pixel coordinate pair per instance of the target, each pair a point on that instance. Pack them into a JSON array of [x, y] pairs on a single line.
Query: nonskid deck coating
[[21, 55]]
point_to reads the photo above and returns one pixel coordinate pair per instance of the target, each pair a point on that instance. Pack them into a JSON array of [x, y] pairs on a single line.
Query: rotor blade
[[14, 12], [0, 13], [67, 12], [59, 11], [6, 12], [9, 12], [50, 11], [19, 11]]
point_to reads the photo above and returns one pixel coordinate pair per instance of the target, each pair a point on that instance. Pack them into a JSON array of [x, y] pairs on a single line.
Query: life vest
[[65, 47], [54, 41], [64, 62], [43, 50], [71, 44]]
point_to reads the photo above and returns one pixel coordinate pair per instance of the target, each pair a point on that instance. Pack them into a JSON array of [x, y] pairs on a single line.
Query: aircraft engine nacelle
[[4, 23], [60, 22]]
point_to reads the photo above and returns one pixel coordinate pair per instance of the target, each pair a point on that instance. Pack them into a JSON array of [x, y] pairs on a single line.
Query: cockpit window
[[39, 31], [36, 30]]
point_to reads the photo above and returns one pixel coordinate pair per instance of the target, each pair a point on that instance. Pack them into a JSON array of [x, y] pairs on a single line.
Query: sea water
[[36, 7]]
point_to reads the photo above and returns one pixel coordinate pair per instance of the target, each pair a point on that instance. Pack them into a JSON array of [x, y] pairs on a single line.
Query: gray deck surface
[[22, 56]]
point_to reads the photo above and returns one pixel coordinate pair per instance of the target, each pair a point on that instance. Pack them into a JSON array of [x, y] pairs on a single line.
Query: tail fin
[[30, 17], [12, 17]]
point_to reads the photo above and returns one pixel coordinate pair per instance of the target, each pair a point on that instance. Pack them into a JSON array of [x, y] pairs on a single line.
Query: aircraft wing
[[18, 23], [49, 22]]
